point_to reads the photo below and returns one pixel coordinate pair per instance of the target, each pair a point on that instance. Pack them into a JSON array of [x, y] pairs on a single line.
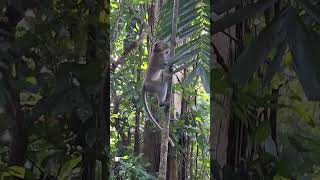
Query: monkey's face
[[160, 46]]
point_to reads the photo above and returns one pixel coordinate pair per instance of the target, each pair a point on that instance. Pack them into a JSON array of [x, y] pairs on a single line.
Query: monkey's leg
[[163, 95]]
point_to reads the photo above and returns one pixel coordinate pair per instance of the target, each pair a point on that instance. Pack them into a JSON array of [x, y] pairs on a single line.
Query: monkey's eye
[[156, 44]]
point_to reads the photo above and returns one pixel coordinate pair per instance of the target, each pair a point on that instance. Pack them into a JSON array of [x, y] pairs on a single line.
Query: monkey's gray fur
[[153, 83]]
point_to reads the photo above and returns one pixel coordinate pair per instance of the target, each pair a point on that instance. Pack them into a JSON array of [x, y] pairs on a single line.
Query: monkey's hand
[[166, 74]]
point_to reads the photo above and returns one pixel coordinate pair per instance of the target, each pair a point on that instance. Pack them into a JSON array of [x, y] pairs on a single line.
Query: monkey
[[153, 83]]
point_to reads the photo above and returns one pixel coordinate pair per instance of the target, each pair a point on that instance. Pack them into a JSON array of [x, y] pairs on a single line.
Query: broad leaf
[[257, 51], [240, 15], [275, 64], [304, 46], [68, 167], [311, 9], [194, 73], [302, 113], [205, 78], [17, 171], [262, 132]]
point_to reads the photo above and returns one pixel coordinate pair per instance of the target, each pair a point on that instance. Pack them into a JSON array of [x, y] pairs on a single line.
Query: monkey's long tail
[[144, 95]]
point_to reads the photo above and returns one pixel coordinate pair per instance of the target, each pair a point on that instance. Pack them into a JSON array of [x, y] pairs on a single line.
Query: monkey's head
[[160, 46]]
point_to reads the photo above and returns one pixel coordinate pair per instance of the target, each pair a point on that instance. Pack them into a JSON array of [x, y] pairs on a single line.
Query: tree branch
[[220, 59], [129, 48]]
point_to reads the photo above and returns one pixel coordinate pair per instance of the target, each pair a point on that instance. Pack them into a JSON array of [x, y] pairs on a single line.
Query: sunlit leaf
[[16, 171], [302, 113], [68, 167]]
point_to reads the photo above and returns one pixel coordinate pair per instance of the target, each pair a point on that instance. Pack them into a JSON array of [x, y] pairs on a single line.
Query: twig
[[220, 59], [129, 48]]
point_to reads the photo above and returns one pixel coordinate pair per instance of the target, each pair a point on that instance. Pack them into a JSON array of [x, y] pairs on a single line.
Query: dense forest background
[[53, 81], [265, 94]]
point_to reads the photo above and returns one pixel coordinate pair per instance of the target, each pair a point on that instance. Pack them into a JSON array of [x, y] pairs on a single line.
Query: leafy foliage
[[57, 80], [268, 74]]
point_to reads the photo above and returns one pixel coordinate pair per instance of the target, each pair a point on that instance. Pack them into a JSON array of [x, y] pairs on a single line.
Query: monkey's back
[[154, 68]]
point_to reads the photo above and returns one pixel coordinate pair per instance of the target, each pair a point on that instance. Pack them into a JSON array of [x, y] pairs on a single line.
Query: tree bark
[[166, 120], [19, 131], [220, 105], [151, 148], [183, 138], [137, 134], [89, 155], [151, 144]]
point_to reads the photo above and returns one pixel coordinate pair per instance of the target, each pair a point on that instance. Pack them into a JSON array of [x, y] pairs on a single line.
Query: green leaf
[[241, 15], [256, 53], [300, 110], [16, 171], [114, 5], [304, 46], [297, 144], [275, 65], [68, 167], [31, 80], [282, 169], [312, 10], [188, 32], [183, 57], [262, 132], [184, 66], [3, 175], [194, 73], [205, 78]]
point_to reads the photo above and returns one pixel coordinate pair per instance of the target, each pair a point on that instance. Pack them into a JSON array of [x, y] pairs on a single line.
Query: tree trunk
[[89, 156], [220, 106], [166, 119], [183, 140], [19, 135], [151, 144], [137, 134], [138, 112], [172, 167], [151, 148]]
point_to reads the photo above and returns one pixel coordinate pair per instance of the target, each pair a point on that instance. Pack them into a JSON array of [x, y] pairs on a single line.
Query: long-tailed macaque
[[153, 83]]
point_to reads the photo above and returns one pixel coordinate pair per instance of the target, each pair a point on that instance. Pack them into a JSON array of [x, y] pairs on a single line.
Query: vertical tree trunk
[[138, 112], [220, 106], [89, 156], [19, 135], [151, 144], [137, 134], [172, 167], [183, 140], [191, 162], [166, 119], [104, 125], [151, 148]]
